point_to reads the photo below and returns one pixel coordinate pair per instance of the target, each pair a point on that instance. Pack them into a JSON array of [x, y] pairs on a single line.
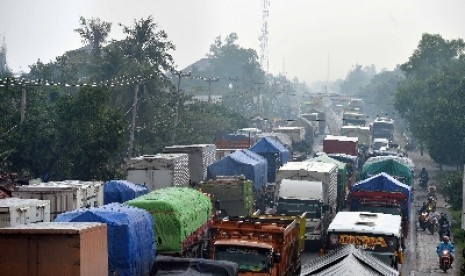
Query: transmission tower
[[263, 38]]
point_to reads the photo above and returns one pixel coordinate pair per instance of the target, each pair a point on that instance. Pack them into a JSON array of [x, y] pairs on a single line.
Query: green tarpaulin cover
[[177, 213], [392, 167]]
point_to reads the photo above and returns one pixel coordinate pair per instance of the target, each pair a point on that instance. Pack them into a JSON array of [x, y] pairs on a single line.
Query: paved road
[[421, 257]]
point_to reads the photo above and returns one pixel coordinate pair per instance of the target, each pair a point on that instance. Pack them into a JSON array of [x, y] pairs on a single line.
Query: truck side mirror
[[276, 258]]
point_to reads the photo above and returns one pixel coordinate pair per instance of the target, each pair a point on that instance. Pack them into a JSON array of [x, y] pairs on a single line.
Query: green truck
[[233, 194]]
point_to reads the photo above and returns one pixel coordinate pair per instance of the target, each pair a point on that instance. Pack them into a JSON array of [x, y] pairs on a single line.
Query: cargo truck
[[258, 246], [382, 194], [364, 138], [353, 118], [233, 194], [340, 144], [200, 156], [301, 196], [383, 128], [379, 234], [182, 217], [326, 173], [159, 171]]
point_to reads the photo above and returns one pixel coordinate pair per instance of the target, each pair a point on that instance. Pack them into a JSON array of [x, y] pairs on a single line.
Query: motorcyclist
[[444, 226], [431, 205], [424, 177], [446, 245], [424, 173]]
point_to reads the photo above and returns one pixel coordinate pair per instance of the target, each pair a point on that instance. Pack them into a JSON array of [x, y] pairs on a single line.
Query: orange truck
[[264, 246]]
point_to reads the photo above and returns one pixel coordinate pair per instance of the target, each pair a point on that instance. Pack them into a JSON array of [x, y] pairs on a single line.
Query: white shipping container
[[296, 134], [313, 171], [160, 170], [200, 157], [64, 195], [16, 211], [94, 191]]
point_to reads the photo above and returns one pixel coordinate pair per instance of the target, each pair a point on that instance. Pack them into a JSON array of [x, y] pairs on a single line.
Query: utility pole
[[260, 101], [133, 121], [210, 80], [237, 103], [180, 74], [23, 103]]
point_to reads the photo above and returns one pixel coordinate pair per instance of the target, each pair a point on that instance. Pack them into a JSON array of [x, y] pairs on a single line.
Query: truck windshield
[[247, 258], [295, 207]]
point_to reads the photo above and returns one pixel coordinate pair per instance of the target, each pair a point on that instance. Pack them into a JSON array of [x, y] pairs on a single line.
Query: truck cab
[[298, 196], [258, 246], [380, 144]]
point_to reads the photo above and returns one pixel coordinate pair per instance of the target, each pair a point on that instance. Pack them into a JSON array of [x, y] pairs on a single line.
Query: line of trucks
[[259, 211]]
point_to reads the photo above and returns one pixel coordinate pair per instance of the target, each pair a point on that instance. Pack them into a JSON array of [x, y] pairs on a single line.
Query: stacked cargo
[[15, 211], [340, 144], [64, 195], [343, 182], [122, 190], [54, 249], [159, 171], [180, 216], [313, 171], [200, 156], [275, 154], [297, 134], [234, 193], [242, 162], [397, 168], [131, 247]]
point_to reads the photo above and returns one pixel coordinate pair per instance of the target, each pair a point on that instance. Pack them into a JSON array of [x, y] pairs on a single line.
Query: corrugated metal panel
[[200, 156], [14, 211], [64, 195], [347, 260], [160, 170]]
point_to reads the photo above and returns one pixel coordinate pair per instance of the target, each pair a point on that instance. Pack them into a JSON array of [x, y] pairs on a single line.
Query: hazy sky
[[304, 34]]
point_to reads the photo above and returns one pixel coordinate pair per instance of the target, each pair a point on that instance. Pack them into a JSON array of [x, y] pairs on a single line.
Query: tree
[[94, 32], [71, 137], [357, 79], [431, 98]]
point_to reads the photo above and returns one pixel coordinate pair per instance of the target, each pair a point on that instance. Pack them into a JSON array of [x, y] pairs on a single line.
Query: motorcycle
[[444, 230], [423, 220], [432, 225], [423, 181], [445, 260]]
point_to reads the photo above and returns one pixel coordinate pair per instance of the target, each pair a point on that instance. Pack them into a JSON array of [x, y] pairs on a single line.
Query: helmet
[[445, 239]]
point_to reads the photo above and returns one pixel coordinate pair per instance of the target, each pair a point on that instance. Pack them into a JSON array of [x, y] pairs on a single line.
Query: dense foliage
[[73, 132], [432, 98]]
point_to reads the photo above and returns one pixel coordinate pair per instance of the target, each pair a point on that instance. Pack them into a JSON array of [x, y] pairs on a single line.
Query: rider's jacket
[[445, 246]]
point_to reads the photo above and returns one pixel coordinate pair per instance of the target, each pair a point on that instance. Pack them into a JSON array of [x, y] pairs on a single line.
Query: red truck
[[382, 194], [340, 144]]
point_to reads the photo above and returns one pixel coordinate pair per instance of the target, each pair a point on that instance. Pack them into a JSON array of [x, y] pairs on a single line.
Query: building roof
[[347, 260]]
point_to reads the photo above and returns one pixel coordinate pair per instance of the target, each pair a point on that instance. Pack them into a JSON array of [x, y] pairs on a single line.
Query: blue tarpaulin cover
[[241, 162], [131, 246], [383, 182], [275, 154], [122, 191]]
